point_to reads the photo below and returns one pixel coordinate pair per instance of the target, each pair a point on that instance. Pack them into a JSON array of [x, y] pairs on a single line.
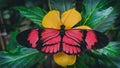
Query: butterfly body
[[72, 41], [62, 31]]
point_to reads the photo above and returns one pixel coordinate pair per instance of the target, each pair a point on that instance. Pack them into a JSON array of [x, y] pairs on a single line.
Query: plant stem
[[49, 5], [2, 41], [64, 67]]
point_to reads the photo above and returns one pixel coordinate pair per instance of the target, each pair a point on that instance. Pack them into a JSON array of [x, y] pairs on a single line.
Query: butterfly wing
[[95, 40], [76, 41], [28, 38], [45, 40], [72, 41], [51, 41]]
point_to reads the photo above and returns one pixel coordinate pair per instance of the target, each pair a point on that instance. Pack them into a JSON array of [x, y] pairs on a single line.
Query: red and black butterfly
[[72, 41]]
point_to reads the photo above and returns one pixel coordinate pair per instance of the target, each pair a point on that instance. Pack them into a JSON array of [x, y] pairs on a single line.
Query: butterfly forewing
[[99, 40], [28, 38], [90, 39]]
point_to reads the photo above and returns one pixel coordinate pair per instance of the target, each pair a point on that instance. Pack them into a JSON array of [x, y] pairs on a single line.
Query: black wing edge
[[103, 40], [22, 38]]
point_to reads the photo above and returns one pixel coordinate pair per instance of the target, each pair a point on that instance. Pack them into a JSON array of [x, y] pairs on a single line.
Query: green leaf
[[98, 14], [112, 52], [93, 60], [35, 14], [25, 58], [80, 63], [112, 49], [12, 45], [61, 5], [105, 62], [102, 60], [106, 23], [116, 60]]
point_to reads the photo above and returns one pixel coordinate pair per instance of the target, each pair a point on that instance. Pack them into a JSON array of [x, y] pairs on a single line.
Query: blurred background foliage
[[19, 15]]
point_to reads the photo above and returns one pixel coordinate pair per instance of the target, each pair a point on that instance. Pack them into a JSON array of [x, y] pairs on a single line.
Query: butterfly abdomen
[[62, 31]]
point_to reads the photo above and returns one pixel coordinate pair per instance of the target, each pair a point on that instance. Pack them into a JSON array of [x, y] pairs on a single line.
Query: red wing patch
[[51, 48], [76, 35], [52, 45], [71, 49], [90, 39], [96, 40], [28, 38], [49, 34], [33, 38]]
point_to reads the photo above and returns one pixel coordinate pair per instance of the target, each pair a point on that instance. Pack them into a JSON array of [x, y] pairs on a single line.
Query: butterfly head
[[62, 27]]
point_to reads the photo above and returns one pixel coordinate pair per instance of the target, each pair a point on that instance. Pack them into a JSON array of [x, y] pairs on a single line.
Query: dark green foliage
[[24, 58], [35, 14], [61, 5], [12, 45], [112, 49], [98, 14]]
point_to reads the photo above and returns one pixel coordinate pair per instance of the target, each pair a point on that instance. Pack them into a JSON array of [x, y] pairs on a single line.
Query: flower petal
[[71, 18], [72, 59], [83, 27], [52, 20], [63, 59]]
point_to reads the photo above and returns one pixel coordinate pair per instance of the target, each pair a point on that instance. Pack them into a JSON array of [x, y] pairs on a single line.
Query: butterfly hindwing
[[51, 41], [72, 41], [28, 38]]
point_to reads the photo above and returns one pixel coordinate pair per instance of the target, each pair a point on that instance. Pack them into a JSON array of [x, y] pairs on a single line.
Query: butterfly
[[71, 41]]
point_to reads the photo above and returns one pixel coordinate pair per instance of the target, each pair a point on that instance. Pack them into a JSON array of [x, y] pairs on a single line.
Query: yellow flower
[[54, 20], [68, 19]]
